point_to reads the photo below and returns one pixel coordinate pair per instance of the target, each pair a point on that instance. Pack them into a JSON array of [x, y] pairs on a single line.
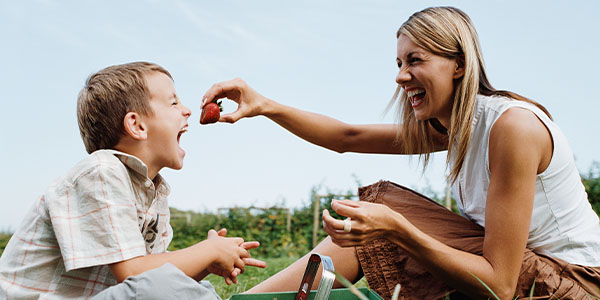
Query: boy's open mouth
[[180, 133]]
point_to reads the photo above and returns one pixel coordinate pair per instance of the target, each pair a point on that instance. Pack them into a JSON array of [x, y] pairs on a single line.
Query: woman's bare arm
[[312, 127]]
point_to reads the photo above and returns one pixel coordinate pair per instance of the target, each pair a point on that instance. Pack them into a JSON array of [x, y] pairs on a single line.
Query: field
[[253, 276], [285, 234]]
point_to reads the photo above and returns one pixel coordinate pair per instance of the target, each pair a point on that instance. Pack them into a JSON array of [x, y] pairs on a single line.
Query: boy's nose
[[186, 111]]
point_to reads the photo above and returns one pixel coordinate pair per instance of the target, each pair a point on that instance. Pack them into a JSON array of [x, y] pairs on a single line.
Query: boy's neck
[[142, 154]]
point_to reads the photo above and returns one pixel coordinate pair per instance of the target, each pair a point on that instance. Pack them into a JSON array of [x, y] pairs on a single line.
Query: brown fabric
[[385, 264]]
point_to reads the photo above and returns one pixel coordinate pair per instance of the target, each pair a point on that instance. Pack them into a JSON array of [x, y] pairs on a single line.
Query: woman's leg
[[344, 261], [385, 264]]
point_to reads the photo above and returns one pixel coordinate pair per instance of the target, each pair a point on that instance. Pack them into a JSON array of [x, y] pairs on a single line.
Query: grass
[[254, 276], [251, 277]]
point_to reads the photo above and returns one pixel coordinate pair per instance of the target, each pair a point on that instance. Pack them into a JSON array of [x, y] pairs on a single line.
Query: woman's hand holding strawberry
[[250, 103]]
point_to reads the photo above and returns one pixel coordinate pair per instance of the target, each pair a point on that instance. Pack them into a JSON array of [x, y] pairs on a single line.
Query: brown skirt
[[385, 264]]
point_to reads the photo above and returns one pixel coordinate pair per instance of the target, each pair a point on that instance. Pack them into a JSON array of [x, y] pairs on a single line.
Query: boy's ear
[[459, 70], [134, 126]]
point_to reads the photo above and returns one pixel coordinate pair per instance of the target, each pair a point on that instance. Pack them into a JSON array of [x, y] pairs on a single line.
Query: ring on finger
[[347, 225]]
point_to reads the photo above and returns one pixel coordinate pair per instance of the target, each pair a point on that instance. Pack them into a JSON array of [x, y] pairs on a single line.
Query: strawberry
[[211, 112]]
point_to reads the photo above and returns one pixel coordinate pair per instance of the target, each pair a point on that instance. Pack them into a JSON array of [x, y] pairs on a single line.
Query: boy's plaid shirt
[[105, 210]]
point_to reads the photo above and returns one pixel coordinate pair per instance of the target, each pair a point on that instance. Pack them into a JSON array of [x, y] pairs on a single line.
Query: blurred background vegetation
[[285, 234]]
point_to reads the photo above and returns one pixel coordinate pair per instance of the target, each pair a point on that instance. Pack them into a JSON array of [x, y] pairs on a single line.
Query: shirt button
[[148, 183]]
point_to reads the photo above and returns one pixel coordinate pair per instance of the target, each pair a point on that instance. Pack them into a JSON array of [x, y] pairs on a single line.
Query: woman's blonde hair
[[447, 32]]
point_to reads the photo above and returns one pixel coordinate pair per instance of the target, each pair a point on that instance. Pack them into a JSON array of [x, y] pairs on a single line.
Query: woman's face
[[427, 80]]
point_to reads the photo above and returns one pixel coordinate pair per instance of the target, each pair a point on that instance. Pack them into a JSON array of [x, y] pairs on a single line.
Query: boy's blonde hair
[[448, 32], [108, 95]]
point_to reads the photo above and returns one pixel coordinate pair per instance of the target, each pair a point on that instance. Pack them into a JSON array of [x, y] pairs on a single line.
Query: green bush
[[591, 181], [4, 238]]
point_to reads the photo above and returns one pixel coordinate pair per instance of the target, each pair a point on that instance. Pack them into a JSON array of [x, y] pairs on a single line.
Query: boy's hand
[[232, 256]]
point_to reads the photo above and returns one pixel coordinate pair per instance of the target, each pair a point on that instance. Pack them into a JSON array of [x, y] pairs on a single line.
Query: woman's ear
[[459, 69], [134, 126]]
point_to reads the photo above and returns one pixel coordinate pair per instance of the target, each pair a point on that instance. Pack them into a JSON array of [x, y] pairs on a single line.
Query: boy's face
[[167, 123]]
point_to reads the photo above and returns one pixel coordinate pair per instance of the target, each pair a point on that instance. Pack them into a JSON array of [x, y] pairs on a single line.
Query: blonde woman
[[526, 217]]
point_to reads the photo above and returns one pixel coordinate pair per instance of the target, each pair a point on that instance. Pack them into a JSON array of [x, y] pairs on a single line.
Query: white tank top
[[563, 224]]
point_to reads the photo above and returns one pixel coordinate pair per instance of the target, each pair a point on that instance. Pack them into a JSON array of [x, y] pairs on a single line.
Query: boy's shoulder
[[98, 164], [105, 159]]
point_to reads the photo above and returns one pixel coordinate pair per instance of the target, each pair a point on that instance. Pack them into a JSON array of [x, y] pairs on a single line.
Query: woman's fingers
[[230, 89], [331, 222], [347, 208], [232, 117]]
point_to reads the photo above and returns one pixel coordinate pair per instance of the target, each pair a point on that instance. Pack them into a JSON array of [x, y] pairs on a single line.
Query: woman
[[527, 215]]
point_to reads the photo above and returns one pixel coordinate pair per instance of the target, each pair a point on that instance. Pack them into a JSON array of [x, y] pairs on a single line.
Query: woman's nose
[[403, 76]]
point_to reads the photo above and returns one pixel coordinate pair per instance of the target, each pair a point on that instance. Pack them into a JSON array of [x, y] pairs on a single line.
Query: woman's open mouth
[[416, 97]]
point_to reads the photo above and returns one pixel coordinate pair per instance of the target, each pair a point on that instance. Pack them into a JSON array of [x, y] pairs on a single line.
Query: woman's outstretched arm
[[312, 127]]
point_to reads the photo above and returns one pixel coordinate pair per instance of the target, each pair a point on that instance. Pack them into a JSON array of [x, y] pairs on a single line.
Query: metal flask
[[327, 278]]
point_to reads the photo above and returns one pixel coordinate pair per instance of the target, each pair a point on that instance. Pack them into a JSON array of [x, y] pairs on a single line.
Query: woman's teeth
[[412, 93], [415, 96]]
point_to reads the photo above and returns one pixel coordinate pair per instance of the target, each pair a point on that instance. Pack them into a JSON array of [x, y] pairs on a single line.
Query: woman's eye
[[414, 59]]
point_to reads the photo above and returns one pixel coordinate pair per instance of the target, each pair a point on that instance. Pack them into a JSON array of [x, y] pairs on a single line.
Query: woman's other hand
[[250, 103], [368, 222]]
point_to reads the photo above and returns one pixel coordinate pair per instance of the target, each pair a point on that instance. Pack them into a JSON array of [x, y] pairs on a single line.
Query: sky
[[332, 57]]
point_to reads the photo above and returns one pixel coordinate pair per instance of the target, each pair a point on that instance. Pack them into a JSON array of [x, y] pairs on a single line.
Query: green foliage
[[591, 181], [4, 238]]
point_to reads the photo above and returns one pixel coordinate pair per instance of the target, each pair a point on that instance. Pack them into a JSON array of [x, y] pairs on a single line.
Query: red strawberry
[[211, 112]]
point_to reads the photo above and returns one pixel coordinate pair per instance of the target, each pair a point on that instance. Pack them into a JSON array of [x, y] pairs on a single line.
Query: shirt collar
[[139, 167]]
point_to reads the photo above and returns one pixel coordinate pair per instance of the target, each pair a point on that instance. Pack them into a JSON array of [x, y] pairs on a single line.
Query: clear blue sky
[[332, 57]]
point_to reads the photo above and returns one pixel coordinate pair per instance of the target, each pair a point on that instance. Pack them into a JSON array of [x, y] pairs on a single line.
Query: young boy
[[102, 230]]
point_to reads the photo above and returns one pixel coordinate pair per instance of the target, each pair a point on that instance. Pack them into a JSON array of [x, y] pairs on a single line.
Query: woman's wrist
[[270, 108]]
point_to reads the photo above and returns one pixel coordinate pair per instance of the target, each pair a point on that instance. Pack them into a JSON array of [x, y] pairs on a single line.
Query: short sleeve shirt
[[105, 210]]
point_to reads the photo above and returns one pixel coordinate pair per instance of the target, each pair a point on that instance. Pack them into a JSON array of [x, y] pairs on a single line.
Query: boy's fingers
[[239, 263], [236, 272], [212, 233], [222, 232], [250, 245], [255, 262], [238, 240]]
